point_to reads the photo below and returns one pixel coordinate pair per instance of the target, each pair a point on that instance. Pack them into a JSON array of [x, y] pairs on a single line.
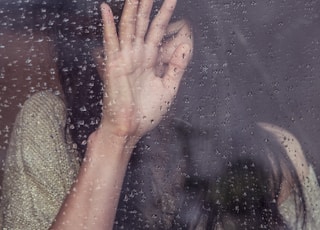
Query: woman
[[134, 102], [187, 196]]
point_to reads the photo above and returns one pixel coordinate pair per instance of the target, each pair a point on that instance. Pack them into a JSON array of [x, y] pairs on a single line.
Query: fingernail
[[106, 9]]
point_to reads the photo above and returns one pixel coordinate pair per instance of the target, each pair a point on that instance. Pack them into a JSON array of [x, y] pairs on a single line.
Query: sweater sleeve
[[39, 170], [311, 192]]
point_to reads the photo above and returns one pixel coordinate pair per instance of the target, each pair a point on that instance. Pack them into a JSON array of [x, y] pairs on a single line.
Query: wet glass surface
[[254, 61]]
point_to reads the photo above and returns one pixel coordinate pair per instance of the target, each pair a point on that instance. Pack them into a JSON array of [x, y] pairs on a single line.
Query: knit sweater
[[42, 164], [38, 172]]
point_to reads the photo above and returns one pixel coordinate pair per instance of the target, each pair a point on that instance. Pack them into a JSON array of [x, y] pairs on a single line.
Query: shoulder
[[39, 125], [292, 146], [40, 122], [40, 109], [47, 97], [311, 193], [44, 102]]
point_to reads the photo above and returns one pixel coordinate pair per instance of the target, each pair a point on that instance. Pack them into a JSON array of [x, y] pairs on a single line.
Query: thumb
[[176, 67]]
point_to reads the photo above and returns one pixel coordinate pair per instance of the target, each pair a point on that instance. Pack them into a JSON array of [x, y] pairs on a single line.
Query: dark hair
[[79, 31], [245, 168], [243, 191]]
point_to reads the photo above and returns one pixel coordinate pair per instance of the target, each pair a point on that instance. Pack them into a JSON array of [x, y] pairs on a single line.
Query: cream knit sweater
[[40, 166]]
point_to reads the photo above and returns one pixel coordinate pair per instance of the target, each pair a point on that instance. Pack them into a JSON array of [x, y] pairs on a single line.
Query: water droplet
[[83, 109]]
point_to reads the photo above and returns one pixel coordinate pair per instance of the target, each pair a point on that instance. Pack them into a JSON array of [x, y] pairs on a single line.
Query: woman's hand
[[142, 71]]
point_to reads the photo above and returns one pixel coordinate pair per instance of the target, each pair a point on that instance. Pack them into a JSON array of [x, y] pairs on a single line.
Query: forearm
[[93, 199]]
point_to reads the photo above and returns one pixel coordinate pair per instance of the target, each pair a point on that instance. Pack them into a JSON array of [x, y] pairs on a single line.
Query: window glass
[[246, 114]]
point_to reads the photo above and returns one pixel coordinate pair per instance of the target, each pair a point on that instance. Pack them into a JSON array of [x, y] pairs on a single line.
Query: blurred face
[[178, 32]]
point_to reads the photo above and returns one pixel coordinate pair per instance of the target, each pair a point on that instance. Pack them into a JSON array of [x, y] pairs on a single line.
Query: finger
[[111, 42], [176, 34], [176, 67], [143, 19], [128, 22], [160, 23]]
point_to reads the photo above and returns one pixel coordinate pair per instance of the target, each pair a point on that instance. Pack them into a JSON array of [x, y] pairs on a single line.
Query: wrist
[[104, 139], [122, 128]]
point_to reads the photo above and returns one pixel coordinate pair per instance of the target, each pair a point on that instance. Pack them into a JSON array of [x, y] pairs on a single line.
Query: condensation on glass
[[254, 61]]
